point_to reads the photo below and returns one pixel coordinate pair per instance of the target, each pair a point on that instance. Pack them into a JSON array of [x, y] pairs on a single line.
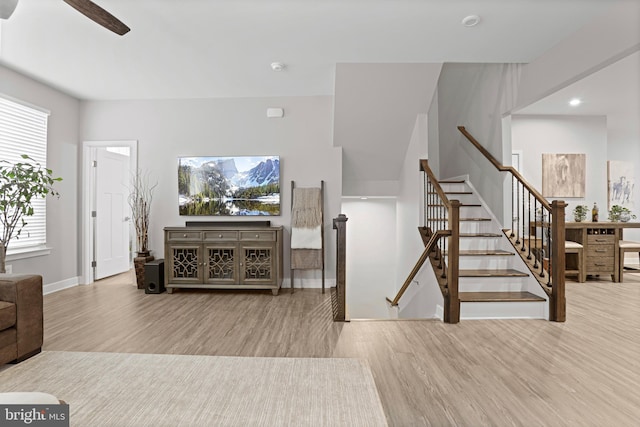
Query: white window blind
[[23, 130]]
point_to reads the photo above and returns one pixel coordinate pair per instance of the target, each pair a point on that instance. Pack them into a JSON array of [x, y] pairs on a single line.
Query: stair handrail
[[503, 168], [551, 222], [424, 167], [434, 231], [429, 247]]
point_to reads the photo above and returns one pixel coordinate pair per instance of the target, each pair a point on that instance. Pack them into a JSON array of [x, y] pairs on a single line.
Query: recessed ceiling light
[[575, 102], [471, 20], [277, 66], [363, 198]]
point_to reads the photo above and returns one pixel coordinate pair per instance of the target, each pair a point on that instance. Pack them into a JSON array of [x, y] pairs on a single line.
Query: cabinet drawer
[[220, 235], [263, 236], [601, 239], [184, 235], [600, 251], [600, 264]]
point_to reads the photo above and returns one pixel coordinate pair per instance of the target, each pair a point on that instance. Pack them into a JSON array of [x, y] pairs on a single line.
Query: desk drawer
[[601, 239], [220, 235], [600, 264], [597, 251], [183, 236], [258, 236]]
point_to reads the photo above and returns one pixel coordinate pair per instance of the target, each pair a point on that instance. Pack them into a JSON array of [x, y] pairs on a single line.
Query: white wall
[[371, 256], [168, 129], [375, 110], [608, 38], [422, 299], [475, 96], [410, 208], [535, 135], [61, 265]]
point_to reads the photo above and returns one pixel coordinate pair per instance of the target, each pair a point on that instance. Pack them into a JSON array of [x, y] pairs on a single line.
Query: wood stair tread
[[462, 205], [452, 181], [509, 272], [498, 297], [461, 219], [480, 252], [480, 235], [452, 192]]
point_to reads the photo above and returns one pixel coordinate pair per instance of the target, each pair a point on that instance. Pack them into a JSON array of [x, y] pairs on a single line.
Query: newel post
[[340, 225], [452, 300], [558, 303]]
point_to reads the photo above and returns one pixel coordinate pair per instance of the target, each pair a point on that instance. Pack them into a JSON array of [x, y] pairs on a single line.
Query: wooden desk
[[600, 241]]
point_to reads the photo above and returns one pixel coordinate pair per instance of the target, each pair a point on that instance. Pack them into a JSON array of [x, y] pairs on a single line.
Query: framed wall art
[[621, 183], [563, 175]]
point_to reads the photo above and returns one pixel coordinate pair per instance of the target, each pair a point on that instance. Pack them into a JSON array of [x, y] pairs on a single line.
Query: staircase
[[493, 281]]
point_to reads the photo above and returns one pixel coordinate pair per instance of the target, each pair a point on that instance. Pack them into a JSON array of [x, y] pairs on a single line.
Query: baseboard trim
[[309, 283], [58, 286]]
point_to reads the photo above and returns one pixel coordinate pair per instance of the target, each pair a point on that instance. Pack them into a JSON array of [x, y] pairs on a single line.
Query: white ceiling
[[613, 92], [223, 48]]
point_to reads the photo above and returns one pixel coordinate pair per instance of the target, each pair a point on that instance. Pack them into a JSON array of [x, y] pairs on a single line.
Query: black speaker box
[[154, 277]]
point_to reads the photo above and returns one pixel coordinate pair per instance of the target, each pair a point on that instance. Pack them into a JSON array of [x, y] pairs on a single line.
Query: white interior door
[[112, 223]]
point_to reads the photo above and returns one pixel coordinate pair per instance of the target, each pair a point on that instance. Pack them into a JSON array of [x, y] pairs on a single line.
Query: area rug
[[117, 389]]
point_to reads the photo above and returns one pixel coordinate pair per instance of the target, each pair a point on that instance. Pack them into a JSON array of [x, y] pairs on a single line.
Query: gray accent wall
[[168, 129], [62, 264]]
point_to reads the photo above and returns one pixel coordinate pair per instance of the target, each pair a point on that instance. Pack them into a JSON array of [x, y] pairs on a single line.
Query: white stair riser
[[454, 187], [472, 212], [503, 310], [485, 262], [465, 212], [464, 198], [491, 284], [479, 243], [477, 227]]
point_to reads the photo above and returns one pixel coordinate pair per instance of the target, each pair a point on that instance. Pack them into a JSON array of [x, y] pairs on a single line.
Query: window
[[23, 130]]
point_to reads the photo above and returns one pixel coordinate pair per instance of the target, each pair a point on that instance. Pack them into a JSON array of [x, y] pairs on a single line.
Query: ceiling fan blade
[[7, 7], [99, 15]]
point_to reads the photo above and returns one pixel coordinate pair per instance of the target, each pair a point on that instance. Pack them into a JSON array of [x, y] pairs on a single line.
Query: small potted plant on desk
[[140, 199], [580, 213], [620, 213]]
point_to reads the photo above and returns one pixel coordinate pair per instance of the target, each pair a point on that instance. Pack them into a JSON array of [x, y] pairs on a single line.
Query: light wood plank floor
[[584, 372]]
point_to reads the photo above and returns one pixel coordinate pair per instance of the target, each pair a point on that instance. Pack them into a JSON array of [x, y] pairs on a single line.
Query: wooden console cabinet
[[223, 257]]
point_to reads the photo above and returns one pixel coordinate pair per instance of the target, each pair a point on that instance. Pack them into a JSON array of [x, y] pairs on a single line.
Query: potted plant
[[20, 184], [620, 213], [580, 213], [140, 198]]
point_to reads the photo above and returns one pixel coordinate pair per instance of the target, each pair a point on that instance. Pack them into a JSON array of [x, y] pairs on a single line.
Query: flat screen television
[[229, 186]]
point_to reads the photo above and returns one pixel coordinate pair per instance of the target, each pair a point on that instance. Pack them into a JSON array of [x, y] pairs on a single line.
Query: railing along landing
[[441, 235], [537, 232]]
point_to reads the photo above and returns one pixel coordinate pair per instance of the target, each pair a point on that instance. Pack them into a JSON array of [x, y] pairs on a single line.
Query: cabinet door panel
[[186, 264], [221, 263], [257, 263]]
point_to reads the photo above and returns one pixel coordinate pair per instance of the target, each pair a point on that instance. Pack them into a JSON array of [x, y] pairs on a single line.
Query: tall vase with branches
[[140, 198], [21, 183]]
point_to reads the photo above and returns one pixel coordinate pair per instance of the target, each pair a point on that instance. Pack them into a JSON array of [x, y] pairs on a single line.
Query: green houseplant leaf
[[20, 184]]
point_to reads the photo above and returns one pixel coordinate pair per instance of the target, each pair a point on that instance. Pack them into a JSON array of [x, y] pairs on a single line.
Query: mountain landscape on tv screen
[[229, 185]]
